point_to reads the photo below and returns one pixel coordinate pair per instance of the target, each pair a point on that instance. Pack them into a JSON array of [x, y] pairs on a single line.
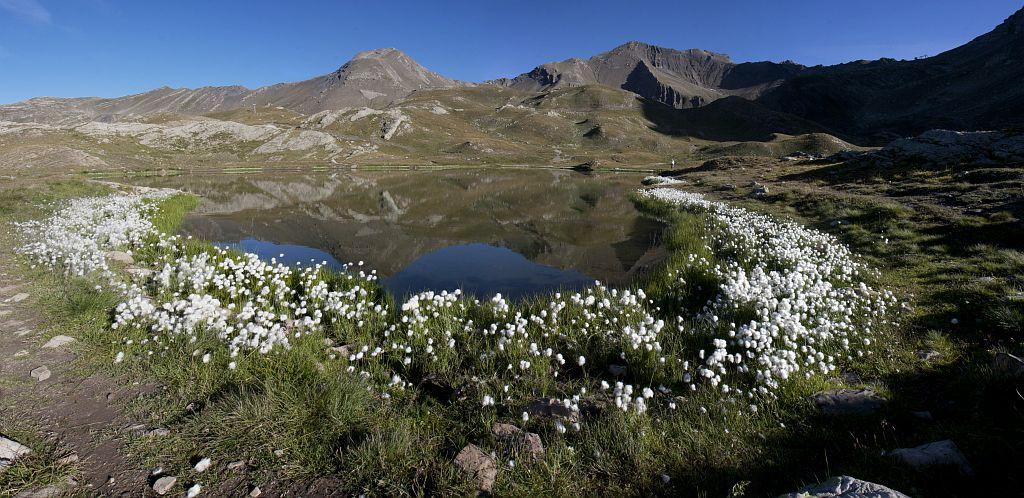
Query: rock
[[40, 373], [727, 186], [202, 465], [120, 257], [845, 487], [140, 273], [164, 484], [58, 341], [344, 351], [761, 190], [478, 466], [844, 402], [526, 443], [256, 491], [194, 491], [938, 454], [21, 354], [44, 492], [69, 460], [948, 148], [158, 432], [923, 415], [11, 450], [551, 408], [19, 297], [928, 355], [617, 370], [1008, 364], [237, 465]]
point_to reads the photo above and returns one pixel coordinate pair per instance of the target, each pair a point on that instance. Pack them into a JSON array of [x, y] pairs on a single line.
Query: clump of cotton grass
[[787, 301], [76, 238], [800, 288]]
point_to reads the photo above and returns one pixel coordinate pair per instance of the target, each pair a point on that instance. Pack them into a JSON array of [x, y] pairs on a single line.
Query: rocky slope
[[972, 87], [678, 78], [373, 78]]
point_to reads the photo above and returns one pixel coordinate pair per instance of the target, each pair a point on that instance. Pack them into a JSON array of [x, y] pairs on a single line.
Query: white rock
[[58, 341], [11, 450], [40, 373], [19, 297], [845, 487], [194, 491], [164, 484], [120, 257], [202, 465], [938, 454]]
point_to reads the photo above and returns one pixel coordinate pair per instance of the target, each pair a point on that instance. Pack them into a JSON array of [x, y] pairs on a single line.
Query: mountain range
[[974, 86]]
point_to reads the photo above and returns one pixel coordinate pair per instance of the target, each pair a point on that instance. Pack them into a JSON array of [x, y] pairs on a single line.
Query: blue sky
[[109, 47]]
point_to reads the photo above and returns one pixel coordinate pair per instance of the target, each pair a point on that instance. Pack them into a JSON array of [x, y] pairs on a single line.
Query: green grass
[[298, 416], [44, 466]]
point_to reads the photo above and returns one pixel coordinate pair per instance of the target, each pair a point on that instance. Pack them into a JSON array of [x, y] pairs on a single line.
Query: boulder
[[120, 257], [845, 487], [938, 454], [948, 148], [846, 402], [1008, 364], [525, 443], [478, 466]]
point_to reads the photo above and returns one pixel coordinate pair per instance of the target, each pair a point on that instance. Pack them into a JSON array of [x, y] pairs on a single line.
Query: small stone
[[526, 443], [478, 466], [11, 450], [22, 332], [1007, 363], [202, 465], [21, 354], [158, 432], [845, 487], [237, 465], [140, 273], [137, 429], [19, 297], [120, 257], [279, 453], [69, 460], [617, 370], [255, 492], [58, 341], [928, 355], [551, 408], [843, 402], [343, 351], [44, 492], [194, 491], [40, 373], [164, 484], [938, 454]]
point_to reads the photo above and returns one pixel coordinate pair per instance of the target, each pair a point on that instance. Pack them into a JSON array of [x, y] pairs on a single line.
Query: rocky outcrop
[[678, 78], [845, 487], [950, 148]]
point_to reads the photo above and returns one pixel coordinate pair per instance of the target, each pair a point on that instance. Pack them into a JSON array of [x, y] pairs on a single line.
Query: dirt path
[[42, 389]]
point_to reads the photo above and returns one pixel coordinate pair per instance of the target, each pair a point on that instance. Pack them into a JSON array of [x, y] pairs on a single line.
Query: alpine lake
[[486, 231]]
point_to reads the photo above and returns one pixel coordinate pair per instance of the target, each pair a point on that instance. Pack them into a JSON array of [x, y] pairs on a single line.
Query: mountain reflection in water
[[516, 232]]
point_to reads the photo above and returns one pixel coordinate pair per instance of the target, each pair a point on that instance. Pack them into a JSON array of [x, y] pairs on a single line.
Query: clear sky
[[111, 47]]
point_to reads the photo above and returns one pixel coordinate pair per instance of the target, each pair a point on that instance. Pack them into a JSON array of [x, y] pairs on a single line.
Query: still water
[[514, 232]]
